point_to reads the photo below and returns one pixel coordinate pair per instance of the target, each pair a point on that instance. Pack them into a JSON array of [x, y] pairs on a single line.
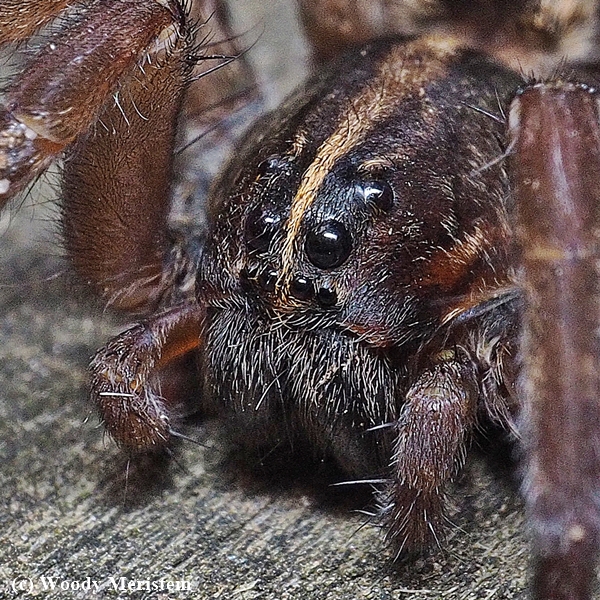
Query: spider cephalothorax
[[312, 328], [379, 252]]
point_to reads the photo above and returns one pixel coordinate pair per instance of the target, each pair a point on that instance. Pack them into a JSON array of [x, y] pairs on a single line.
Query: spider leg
[[107, 91], [60, 92], [557, 167], [116, 183], [437, 417], [527, 36], [124, 373], [333, 25]]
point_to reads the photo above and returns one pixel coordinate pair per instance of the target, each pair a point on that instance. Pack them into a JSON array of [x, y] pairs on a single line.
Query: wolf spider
[[404, 250]]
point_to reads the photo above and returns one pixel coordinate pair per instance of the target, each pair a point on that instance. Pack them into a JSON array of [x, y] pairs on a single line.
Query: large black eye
[[378, 193], [261, 226], [329, 245]]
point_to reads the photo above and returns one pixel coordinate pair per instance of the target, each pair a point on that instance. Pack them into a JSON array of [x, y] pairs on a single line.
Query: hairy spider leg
[[66, 84], [556, 165], [124, 376], [432, 434]]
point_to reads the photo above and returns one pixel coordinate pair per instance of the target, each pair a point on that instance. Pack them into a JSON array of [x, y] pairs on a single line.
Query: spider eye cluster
[[333, 222]]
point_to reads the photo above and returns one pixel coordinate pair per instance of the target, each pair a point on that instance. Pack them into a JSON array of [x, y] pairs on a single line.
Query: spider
[[405, 249]]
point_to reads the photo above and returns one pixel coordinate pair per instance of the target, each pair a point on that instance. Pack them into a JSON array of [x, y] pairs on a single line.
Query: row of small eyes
[[328, 244]]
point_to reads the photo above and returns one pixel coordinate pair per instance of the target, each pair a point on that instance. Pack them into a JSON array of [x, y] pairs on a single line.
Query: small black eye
[[261, 226], [378, 193], [329, 245], [301, 287], [326, 297], [270, 165], [267, 279]]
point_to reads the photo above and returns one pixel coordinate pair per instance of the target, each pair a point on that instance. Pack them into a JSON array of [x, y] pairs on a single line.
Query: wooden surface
[[70, 510]]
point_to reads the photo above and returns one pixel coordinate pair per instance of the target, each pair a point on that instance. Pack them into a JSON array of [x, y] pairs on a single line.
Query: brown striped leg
[[435, 423], [112, 100], [556, 133], [67, 82], [124, 376]]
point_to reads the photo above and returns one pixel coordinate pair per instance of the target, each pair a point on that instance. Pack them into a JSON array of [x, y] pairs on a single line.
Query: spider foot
[[125, 373]]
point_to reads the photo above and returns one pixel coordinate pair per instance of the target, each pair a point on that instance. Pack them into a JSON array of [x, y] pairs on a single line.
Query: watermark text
[[50, 583]]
